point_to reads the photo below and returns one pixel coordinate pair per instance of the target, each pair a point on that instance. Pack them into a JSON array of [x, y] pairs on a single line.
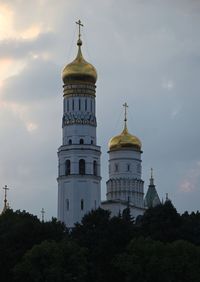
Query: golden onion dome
[[124, 140], [79, 69]]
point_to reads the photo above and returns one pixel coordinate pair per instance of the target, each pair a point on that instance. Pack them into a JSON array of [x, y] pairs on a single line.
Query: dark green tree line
[[162, 245]]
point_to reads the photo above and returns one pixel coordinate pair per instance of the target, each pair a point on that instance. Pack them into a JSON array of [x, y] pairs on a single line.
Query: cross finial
[[79, 23], [151, 172], [42, 212], [5, 197], [125, 105]]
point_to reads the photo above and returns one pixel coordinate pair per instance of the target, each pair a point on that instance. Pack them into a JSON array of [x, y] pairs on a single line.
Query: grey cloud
[[20, 48], [39, 80], [135, 45]]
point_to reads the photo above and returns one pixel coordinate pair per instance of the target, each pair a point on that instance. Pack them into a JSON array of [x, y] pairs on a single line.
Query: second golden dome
[[124, 140]]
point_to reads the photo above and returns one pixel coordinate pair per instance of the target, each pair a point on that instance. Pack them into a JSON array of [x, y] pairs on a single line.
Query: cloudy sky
[[147, 53]]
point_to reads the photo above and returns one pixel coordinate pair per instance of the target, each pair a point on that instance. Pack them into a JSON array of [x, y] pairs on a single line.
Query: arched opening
[[79, 104], [67, 167], [92, 142], [82, 204], [91, 105], [81, 166], [67, 204], [85, 104], [81, 141], [95, 168], [70, 142]]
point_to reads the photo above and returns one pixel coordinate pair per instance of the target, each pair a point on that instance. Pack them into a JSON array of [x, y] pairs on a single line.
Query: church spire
[[151, 178], [152, 199], [6, 205]]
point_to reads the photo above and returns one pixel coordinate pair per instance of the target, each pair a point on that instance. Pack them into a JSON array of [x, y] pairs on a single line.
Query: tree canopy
[[161, 245]]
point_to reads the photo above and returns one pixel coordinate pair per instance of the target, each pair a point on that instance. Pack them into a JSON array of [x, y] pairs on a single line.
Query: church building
[[79, 173], [79, 180]]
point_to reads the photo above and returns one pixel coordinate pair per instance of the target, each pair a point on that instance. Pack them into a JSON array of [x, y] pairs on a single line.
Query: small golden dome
[[79, 69], [124, 140]]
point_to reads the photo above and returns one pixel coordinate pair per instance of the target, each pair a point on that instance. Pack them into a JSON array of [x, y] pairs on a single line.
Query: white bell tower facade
[[79, 180], [125, 187]]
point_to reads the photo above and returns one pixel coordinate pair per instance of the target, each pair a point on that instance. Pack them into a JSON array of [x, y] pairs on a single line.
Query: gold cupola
[[125, 139], [79, 70]]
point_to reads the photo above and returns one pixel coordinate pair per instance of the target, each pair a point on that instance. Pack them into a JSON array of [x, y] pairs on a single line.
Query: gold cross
[[79, 28], [125, 105]]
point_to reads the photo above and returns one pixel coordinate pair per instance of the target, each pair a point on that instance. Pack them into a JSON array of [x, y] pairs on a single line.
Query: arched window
[[70, 141], [73, 105], [67, 204], [82, 204], [81, 141], [94, 167], [92, 142], [68, 105], [128, 167], [79, 104], [116, 167], [67, 167], [85, 104], [81, 166]]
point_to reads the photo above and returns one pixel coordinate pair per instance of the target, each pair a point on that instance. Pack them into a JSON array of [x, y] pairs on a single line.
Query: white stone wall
[[125, 189], [118, 207], [125, 163], [72, 190], [125, 181], [78, 193]]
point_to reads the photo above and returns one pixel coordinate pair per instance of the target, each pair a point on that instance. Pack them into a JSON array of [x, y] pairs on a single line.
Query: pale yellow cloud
[[191, 179], [31, 32], [9, 67], [6, 22], [22, 112], [8, 28], [31, 127]]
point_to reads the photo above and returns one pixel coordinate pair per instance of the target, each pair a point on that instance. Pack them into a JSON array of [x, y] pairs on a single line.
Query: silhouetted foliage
[[104, 236], [190, 229], [146, 260], [101, 248], [20, 231], [53, 262], [161, 223]]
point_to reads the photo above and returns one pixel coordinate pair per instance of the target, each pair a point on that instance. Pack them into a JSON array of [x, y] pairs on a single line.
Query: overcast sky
[[146, 52]]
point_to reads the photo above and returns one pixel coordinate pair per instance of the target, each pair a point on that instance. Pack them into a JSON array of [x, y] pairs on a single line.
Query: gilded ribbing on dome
[[79, 69]]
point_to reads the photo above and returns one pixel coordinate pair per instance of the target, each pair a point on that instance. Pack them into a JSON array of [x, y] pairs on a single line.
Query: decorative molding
[[79, 118]]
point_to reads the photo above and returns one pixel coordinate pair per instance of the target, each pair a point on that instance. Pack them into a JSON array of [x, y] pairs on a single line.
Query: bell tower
[[125, 186], [79, 180]]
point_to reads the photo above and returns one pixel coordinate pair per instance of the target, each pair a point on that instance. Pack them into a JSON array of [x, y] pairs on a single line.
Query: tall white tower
[[79, 178], [125, 187]]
